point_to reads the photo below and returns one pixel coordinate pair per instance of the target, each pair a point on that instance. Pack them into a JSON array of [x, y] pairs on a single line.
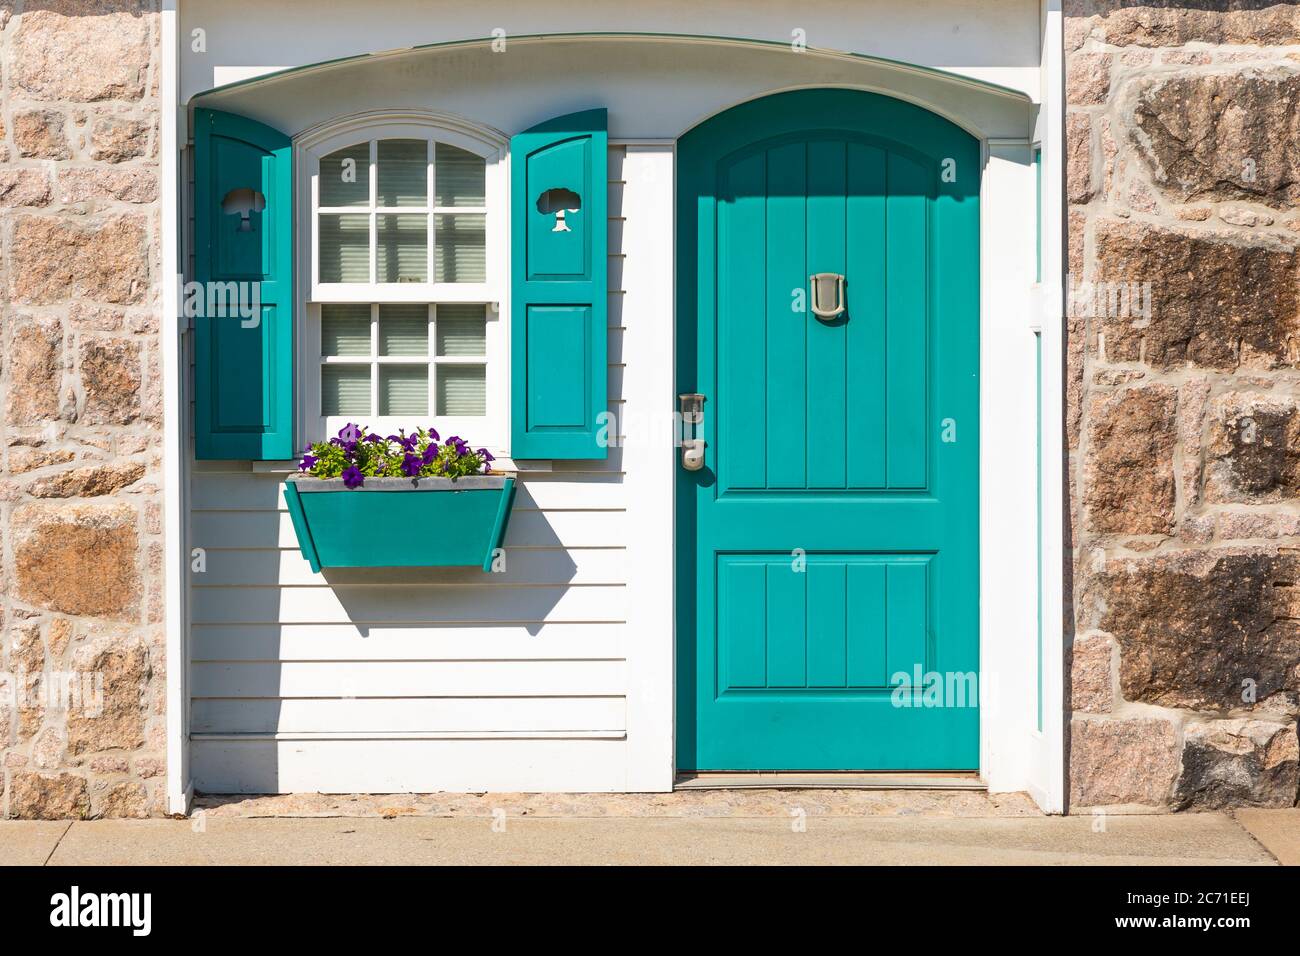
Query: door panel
[[828, 551]]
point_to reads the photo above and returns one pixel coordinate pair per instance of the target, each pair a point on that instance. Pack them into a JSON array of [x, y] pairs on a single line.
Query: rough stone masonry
[[80, 435], [1183, 174], [1183, 142]]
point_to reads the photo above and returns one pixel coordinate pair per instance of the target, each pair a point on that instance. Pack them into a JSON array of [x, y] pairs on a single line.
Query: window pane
[[404, 390], [345, 389], [345, 177], [460, 248], [403, 330], [345, 248], [462, 390], [345, 330], [458, 177], [462, 329], [403, 249], [403, 172]]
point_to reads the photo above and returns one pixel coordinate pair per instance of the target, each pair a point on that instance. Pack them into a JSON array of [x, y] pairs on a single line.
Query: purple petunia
[[411, 455]]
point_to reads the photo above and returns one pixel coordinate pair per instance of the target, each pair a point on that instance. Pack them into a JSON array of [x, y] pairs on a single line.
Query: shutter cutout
[[243, 264], [558, 287]]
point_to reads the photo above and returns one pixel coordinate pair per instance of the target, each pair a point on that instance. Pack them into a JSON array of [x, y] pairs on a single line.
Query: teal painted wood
[[305, 543], [243, 358], [558, 288], [498, 535], [400, 528], [830, 546]]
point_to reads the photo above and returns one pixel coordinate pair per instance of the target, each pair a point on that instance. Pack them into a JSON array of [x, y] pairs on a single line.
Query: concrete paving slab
[[679, 803], [29, 842], [1189, 839], [1278, 830]]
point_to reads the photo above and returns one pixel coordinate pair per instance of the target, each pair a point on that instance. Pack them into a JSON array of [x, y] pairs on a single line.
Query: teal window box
[[400, 522]]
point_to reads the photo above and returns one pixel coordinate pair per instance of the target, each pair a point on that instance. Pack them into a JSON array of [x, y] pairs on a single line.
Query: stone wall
[[81, 716], [1183, 152]]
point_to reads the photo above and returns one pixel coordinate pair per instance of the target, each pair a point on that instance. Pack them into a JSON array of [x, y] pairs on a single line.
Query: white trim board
[[175, 565]]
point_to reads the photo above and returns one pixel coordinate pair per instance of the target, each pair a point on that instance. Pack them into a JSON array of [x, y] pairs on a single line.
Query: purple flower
[[458, 443], [350, 433], [308, 461], [486, 455], [411, 465], [374, 439], [430, 453], [433, 434], [352, 477]]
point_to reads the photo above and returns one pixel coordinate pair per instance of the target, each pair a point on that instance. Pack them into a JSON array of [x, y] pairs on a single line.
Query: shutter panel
[[243, 241], [558, 287]]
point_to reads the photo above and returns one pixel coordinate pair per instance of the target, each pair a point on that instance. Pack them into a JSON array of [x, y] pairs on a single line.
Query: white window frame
[[491, 430]]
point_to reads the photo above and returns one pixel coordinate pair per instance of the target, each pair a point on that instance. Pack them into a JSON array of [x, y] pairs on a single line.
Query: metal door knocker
[[827, 287]]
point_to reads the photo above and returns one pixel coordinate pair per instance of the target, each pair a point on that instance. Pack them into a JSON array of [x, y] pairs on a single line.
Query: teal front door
[[828, 553]]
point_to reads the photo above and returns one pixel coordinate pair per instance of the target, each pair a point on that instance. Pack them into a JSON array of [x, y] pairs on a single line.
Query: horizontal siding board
[[411, 679], [395, 604], [410, 715], [407, 766], [345, 642], [614, 163], [287, 568], [527, 529]]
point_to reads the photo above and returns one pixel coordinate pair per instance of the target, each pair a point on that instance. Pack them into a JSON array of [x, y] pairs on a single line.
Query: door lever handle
[[691, 405], [693, 454]]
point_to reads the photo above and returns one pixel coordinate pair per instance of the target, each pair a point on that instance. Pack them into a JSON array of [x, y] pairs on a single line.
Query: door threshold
[[793, 780]]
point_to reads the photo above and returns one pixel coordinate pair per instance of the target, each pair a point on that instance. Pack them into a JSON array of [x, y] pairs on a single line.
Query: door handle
[[827, 285], [692, 413]]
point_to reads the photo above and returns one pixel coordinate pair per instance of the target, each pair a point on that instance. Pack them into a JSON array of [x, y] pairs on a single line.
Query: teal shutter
[[558, 288], [243, 267]]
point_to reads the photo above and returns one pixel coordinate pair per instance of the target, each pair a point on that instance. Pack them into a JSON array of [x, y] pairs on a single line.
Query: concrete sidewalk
[[1186, 839]]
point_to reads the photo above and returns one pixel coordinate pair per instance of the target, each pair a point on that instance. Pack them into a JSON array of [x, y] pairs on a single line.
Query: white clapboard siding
[[527, 529], [614, 310], [287, 568], [387, 604], [357, 642], [434, 715], [408, 679], [418, 679], [376, 765]]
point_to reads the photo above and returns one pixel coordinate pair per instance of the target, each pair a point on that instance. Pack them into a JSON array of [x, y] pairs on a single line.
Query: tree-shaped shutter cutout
[[558, 201], [243, 203]]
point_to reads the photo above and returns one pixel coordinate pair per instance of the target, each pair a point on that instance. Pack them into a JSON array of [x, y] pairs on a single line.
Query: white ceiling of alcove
[[654, 87]]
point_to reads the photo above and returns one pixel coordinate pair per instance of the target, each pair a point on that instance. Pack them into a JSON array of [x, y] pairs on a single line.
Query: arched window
[[405, 237]]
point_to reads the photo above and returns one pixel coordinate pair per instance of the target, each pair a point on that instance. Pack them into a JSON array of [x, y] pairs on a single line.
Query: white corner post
[[648, 463], [179, 790], [1047, 764]]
